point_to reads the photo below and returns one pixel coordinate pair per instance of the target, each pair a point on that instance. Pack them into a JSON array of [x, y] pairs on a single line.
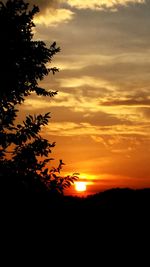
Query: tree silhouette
[[24, 153]]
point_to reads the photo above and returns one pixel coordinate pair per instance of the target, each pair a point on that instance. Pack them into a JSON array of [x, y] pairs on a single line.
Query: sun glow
[[80, 186]]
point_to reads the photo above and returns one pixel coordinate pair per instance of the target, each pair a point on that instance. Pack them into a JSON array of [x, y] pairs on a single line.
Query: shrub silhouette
[[24, 153]]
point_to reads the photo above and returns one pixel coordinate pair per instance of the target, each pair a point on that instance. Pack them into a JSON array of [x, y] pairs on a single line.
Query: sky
[[100, 118]]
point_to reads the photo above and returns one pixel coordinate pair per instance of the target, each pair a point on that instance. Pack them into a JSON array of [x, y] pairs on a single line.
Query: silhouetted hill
[[116, 199], [115, 206], [121, 213]]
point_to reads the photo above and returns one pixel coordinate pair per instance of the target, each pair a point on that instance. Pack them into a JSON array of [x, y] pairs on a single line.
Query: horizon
[[88, 194]]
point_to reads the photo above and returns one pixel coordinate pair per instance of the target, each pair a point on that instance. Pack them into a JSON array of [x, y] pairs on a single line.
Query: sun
[[80, 186]]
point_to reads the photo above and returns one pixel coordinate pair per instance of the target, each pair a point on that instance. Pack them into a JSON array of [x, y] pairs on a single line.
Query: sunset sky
[[100, 118]]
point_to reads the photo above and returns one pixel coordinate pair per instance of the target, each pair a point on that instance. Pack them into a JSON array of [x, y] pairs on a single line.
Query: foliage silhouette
[[23, 64]]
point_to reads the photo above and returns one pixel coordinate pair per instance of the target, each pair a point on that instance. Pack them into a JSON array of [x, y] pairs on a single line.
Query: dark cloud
[[44, 3], [127, 102], [99, 118], [124, 74]]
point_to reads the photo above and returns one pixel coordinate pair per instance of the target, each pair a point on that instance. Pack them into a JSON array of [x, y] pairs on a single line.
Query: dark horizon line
[[86, 195]]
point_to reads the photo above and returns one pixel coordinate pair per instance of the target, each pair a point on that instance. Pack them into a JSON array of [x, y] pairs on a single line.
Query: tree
[[23, 64]]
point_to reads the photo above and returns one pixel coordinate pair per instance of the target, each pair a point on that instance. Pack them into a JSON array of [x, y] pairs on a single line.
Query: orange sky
[[100, 118]]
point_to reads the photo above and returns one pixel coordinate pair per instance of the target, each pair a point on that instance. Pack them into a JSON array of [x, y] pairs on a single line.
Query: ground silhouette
[[116, 201], [111, 220]]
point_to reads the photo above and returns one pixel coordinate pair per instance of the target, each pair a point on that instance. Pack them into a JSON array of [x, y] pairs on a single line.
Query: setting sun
[[80, 186]]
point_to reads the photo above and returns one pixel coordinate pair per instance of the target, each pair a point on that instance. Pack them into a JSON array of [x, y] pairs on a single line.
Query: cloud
[[84, 4], [51, 14], [53, 17], [104, 125], [73, 82], [98, 5], [45, 3], [118, 142], [106, 33], [145, 111], [98, 118], [69, 114], [127, 102], [115, 76]]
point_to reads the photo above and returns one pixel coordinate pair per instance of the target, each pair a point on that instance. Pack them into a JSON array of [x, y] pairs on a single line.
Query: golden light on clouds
[[85, 80], [63, 99], [84, 60], [52, 14], [52, 17], [94, 4], [70, 129], [75, 129], [100, 118]]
